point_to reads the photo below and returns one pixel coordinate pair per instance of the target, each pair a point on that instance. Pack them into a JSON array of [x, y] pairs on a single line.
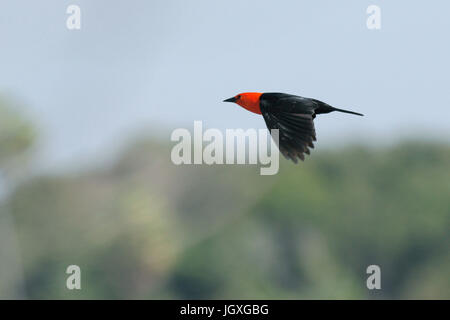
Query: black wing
[[293, 117]]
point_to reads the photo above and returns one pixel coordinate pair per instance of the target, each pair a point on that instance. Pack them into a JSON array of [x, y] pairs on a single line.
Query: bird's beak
[[232, 99]]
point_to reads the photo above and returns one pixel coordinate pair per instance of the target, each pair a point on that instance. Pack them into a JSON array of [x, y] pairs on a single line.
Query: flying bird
[[292, 115]]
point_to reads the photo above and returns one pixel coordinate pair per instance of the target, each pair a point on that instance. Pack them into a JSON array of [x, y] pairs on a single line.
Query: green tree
[[16, 137]]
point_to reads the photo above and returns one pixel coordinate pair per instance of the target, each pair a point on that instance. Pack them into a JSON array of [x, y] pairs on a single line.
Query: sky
[[159, 65]]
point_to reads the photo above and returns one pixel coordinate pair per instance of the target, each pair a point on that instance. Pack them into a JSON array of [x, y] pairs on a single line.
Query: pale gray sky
[[163, 64]]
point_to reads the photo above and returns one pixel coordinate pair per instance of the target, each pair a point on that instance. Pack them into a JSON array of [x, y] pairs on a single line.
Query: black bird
[[292, 115]]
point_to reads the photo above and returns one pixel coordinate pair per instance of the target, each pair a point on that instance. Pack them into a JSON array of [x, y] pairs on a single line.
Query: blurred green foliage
[[16, 138], [148, 229], [145, 228], [16, 133]]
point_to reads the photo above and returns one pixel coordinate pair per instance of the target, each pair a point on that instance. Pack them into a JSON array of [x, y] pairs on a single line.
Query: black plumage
[[293, 116]]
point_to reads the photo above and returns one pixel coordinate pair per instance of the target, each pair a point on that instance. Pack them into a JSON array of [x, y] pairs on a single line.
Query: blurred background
[[86, 176]]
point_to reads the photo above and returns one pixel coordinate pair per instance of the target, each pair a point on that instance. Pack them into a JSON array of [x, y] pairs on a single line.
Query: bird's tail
[[346, 111], [326, 108]]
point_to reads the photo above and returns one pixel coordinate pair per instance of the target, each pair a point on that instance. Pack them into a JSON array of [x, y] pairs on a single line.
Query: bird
[[292, 115]]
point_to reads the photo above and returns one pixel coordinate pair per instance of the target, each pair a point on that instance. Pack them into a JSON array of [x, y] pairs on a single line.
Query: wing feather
[[296, 130]]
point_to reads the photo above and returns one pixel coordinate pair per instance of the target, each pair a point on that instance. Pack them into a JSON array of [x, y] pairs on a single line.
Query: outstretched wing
[[293, 117]]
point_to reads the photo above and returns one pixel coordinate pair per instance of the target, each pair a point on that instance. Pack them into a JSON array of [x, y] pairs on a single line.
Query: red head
[[247, 100]]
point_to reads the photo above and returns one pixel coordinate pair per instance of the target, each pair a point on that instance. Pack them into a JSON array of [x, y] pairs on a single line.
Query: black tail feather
[[326, 108], [346, 111]]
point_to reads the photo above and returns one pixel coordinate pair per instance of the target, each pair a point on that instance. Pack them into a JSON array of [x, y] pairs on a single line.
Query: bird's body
[[292, 115]]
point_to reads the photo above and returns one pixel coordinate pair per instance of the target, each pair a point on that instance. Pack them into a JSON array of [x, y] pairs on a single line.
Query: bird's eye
[[238, 97]]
